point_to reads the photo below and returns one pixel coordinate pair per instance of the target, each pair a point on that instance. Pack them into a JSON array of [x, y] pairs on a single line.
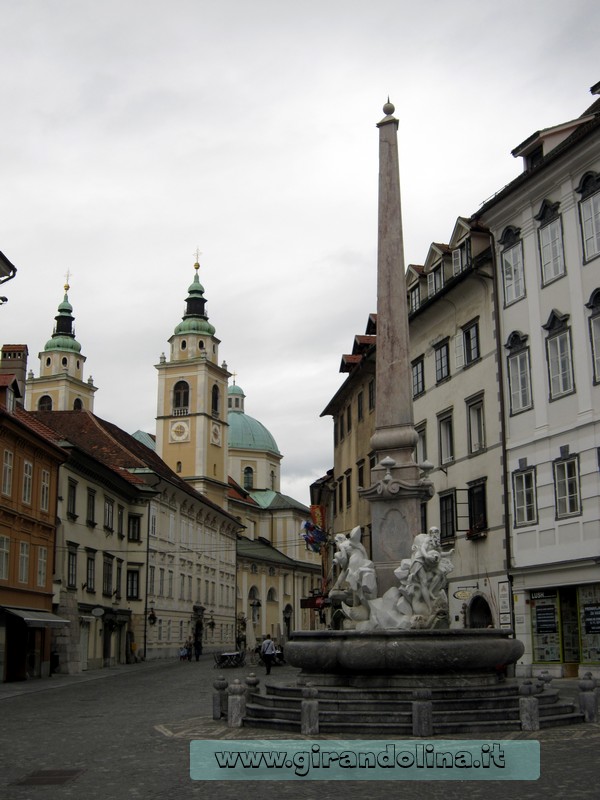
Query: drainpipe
[[500, 361]]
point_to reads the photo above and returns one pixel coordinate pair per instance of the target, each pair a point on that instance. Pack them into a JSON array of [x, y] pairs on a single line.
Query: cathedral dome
[[245, 432]]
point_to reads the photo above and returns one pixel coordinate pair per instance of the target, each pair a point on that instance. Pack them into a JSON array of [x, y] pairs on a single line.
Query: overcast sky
[[135, 131]]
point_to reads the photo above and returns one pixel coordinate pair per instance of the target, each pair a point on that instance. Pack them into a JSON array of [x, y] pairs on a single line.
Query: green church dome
[[195, 325], [59, 342], [245, 432]]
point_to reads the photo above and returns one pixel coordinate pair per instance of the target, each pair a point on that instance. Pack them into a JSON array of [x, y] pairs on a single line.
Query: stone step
[[557, 721], [256, 711]]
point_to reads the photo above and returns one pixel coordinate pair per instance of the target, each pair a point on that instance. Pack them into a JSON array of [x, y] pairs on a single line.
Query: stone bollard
[[251, 684], [529, 707], [220, 698], [309, 710], [236, 704], [422, 713], [588, 698]]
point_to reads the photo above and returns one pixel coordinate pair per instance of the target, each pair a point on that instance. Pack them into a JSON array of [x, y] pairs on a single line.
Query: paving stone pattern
[[124, 733]]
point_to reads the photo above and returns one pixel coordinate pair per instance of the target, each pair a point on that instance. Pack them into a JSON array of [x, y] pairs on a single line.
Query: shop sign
[[543, 594]]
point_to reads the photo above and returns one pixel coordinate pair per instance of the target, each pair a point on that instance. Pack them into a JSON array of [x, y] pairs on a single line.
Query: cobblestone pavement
[[124, 733]]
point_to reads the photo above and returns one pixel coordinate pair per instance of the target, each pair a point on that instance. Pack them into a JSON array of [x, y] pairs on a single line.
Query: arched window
[[181, 398], [273, 480], [45, 403], [77, 405], [215, 400], [271, 595], [248, 478]]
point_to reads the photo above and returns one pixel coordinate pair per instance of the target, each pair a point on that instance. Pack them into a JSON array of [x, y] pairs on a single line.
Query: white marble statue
[[356, 584], [420, 599]]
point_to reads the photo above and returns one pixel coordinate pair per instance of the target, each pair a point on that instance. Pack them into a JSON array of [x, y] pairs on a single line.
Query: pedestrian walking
[[267, 652], [188, 649], [198, 649]]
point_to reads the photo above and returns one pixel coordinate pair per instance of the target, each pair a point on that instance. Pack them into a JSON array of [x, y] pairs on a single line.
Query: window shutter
[[459, 350]]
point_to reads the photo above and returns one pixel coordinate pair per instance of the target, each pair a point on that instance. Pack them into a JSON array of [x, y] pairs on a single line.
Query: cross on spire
[[197, 254], [68, 274]]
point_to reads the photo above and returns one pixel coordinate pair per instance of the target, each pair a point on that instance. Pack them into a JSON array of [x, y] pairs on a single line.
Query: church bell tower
[[191, 422], [60, 385]]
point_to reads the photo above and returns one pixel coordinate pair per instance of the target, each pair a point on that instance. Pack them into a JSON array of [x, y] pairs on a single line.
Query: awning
[[37, 619]]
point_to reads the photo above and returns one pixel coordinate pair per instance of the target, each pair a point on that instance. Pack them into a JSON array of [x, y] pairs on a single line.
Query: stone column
[[398, 485]]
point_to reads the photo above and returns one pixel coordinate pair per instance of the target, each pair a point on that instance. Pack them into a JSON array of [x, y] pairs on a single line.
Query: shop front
[[565, 628]]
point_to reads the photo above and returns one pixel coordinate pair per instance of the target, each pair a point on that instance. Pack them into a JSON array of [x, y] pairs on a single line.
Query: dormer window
[[415, 298], [10, 399], [461, 257], [435, 281], [534, 158], [513, 276]]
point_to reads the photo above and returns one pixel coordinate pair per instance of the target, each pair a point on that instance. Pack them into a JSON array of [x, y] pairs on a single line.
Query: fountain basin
[[452, 653]]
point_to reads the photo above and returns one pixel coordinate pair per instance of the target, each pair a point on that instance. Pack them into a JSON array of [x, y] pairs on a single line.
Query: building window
[[418, 376], [446, 438], [551, 242], [133, 584], [414, 297], [91, 508], [467, 345], [134, 528], [107, 577], [120, 521], [23, 562], [349, 419], [45, 490], [27, 481], [442, 361], [447, 516], [566, 487], [476, 425], [181, 586], [524, 494], [594, 306], [371, 395], [118, 577], [7, 472], [360, 411], [72, 568], [519, 374], [109, 512], [42, 566], [589, 188], [170, 576], [152, 521], [4, 557], [360, 472], [248, 478], [435, 281], [72, 499], [45, 403], [513, 277], [90, 572], [151, 575], [348, 489], [340, 495], [477, 508], [216, 396], [421, 448], [558, 353], [161, 582], [181, 399]]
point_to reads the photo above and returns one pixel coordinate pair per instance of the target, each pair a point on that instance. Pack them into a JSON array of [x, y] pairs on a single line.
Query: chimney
[[13, 361]]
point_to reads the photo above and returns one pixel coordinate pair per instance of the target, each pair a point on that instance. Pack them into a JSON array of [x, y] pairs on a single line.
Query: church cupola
[[63, 337], [60, 385], [195, 319]]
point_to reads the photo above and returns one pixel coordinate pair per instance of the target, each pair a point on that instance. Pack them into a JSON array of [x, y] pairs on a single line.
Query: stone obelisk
[[398, 484]]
